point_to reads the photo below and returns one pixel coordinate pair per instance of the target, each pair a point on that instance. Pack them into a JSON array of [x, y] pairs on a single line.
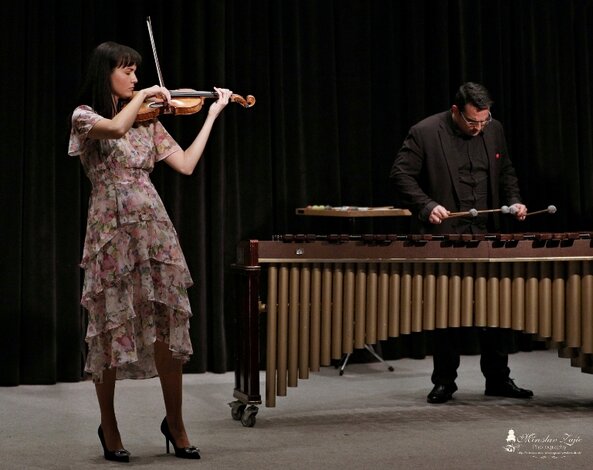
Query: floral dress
[[136, 277]]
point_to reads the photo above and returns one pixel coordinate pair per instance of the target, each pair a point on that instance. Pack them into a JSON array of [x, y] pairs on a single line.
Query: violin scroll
[[245, 102]]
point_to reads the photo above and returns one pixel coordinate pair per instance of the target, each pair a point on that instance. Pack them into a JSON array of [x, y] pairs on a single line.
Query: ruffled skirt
[[135, 291]]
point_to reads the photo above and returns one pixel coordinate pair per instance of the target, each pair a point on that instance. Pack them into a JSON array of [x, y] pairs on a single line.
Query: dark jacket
[[425, 172]]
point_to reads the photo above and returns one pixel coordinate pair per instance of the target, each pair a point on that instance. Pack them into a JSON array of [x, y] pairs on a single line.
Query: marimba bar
[[327, 295]]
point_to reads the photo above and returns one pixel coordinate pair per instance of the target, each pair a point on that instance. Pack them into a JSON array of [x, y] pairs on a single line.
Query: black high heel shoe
[[190, 452], [120, 455]]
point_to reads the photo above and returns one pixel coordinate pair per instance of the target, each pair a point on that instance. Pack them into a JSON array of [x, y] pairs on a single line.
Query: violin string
[[156, 59]]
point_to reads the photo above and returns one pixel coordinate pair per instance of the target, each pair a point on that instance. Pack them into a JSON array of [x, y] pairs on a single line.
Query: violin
[[184, 101]]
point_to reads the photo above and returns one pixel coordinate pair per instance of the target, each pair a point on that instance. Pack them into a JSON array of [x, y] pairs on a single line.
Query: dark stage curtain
[[338, 83]]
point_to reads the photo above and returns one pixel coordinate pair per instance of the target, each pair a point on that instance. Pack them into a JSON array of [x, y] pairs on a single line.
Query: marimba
[[328, 295]]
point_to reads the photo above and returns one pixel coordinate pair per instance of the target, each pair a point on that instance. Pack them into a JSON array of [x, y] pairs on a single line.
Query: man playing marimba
[[452, 167]]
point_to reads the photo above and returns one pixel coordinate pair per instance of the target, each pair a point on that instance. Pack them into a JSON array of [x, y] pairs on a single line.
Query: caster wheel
[[237, 409], [248, 418]]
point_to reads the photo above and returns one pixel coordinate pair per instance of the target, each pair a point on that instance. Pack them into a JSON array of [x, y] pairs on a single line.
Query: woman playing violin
[[136, 275]]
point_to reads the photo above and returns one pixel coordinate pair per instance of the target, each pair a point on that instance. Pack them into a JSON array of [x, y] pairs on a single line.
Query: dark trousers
[[446, 353]]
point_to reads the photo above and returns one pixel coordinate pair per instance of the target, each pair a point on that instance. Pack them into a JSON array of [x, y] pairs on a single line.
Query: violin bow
[[156, 59], [247, 102]]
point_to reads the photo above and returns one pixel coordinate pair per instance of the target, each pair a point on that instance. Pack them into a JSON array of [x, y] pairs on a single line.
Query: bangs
[[124, 56], [129, 58]]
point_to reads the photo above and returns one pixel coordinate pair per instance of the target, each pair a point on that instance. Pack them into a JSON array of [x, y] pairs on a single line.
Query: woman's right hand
[[157, 91]]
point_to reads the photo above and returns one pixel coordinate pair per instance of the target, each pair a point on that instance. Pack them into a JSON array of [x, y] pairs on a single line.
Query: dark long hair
[[96, 89]]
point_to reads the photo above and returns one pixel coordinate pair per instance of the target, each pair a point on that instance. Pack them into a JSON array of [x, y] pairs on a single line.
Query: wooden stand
[[354, 213]]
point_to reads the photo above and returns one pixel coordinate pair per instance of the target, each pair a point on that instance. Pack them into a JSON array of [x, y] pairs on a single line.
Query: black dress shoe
[[441, 393], [120, 455], [190, 452], [507, 388]]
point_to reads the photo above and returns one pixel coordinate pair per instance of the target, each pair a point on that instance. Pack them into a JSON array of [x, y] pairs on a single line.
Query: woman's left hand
[[224, 96]]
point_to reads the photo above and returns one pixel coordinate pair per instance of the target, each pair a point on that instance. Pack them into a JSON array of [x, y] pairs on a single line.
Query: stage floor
[[367, 418]]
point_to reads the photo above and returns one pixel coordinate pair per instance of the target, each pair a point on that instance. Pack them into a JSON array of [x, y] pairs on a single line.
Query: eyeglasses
[[475, 124]]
